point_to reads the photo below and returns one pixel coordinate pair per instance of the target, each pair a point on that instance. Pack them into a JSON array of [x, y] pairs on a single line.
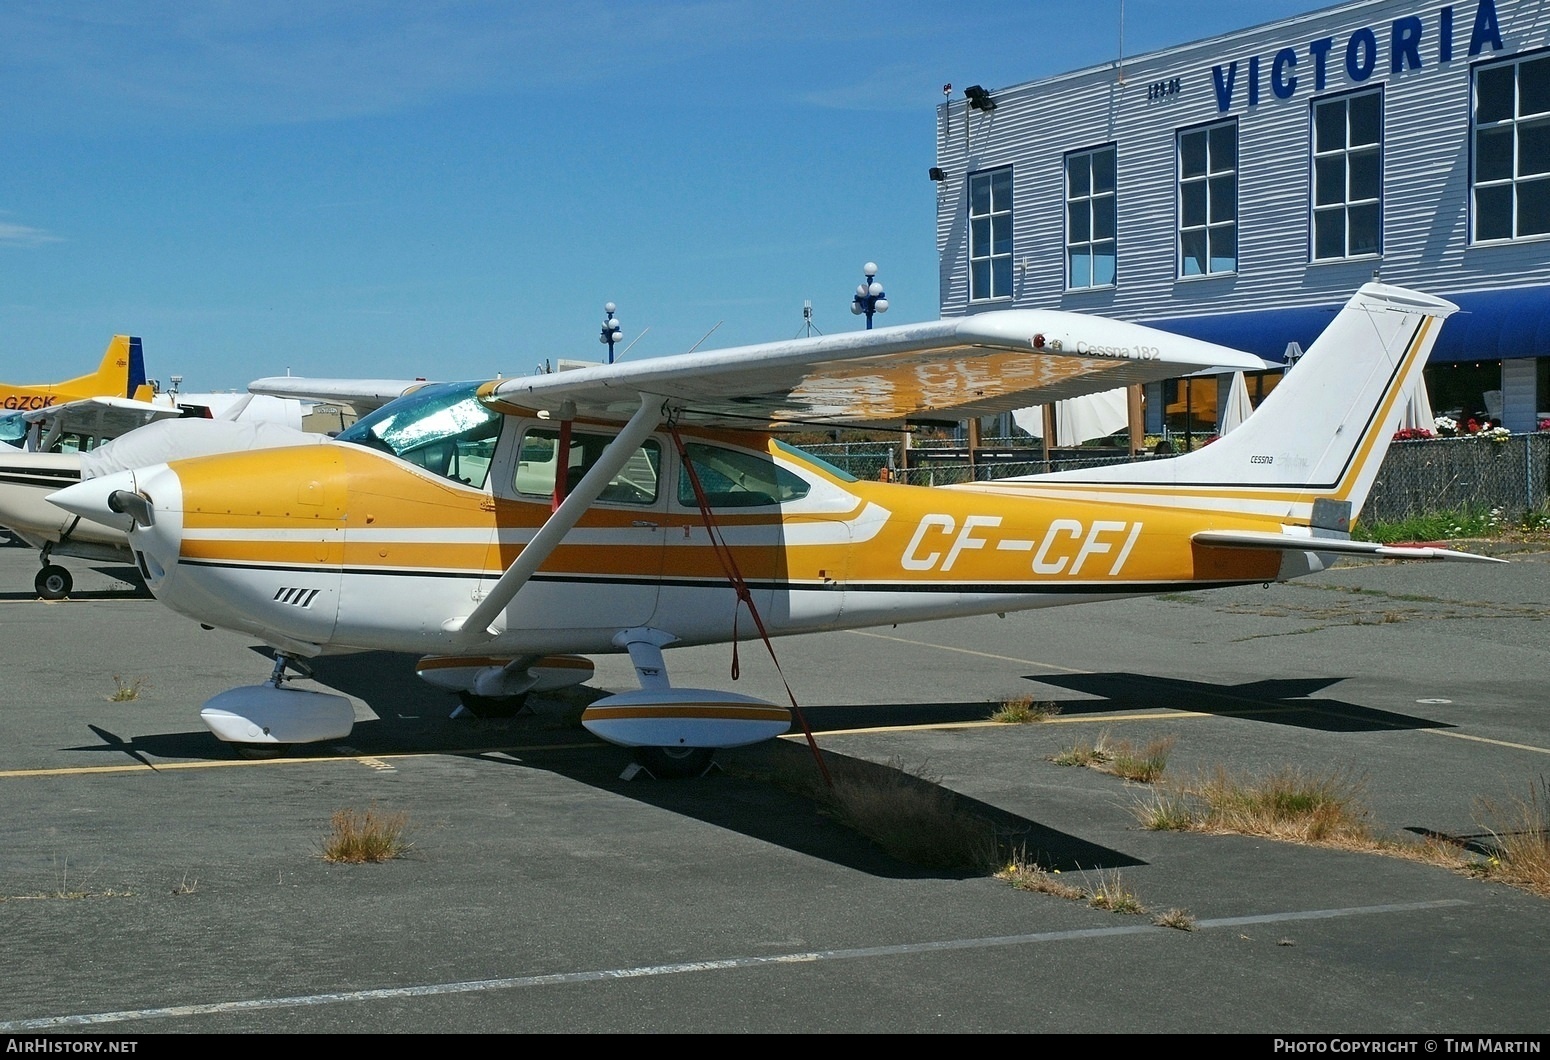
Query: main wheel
[[675, 763], [259, 751], [53, 582], [492, 706]]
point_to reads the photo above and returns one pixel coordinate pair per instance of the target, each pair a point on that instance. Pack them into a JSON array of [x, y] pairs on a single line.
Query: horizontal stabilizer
[[1342, 546]]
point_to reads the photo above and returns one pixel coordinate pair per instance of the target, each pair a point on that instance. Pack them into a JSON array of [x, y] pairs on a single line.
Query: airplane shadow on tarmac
[[1278, 702], [737, 795], [415, 718]]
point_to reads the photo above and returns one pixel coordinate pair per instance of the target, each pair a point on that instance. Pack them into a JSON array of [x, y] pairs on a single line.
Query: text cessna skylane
[[504, 531]]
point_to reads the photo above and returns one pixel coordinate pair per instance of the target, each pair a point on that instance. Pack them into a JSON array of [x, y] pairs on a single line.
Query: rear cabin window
[[732, 478]]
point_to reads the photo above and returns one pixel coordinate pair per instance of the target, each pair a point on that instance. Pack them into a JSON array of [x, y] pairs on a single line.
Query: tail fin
[[1321, 434], [121, 373]]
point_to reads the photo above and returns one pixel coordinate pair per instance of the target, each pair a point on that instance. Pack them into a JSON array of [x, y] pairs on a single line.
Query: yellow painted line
[[370, 761], [967, 651], [947, 725], [1498, 743]]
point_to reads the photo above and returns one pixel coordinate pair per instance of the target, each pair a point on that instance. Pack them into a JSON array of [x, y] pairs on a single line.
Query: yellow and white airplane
[[503, 531]]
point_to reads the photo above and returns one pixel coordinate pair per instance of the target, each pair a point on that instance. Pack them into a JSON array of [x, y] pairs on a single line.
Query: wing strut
[[478, 626]]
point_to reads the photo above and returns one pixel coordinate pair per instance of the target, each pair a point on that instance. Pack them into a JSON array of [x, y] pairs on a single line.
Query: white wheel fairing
[[264, 714], [685, 718]]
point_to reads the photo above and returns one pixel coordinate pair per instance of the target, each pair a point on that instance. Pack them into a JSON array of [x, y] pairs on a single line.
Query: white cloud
[[15, 235]]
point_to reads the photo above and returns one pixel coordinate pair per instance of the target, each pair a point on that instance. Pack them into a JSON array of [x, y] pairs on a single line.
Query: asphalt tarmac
[[152, 882]]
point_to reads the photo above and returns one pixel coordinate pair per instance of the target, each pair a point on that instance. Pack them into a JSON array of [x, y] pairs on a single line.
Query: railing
[[1421, 477]]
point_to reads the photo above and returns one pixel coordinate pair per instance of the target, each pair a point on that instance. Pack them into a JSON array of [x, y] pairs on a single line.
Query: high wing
[[99, 417], [363, 395], [950, 370]]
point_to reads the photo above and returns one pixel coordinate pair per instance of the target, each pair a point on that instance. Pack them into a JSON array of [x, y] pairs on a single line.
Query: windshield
[[12, 428], [443, 428]]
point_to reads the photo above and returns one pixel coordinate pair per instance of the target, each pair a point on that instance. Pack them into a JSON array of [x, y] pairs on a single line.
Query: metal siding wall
[[1425, 185], [1519, 411]]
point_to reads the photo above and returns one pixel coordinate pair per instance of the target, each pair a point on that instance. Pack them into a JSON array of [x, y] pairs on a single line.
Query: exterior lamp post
[[869, 298], [611, 333]]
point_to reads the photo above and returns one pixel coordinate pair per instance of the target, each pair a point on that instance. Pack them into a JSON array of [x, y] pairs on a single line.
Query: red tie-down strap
[[744, 595]]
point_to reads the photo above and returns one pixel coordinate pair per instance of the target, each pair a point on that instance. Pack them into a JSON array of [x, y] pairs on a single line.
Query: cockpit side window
[[635, 483], [732, 478], [444, 429]]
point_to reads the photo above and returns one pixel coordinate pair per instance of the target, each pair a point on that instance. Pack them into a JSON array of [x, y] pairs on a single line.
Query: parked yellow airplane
[[503, 531], [121, 374]]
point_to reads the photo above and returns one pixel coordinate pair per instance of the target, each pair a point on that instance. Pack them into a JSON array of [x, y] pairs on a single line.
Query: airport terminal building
[[1240, 188]]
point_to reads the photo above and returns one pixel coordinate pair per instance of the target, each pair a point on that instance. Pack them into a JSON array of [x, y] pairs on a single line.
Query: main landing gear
[[53, 582], [674, 732], [675, 763]]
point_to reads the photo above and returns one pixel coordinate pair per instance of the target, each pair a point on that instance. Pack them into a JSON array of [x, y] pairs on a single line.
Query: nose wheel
[[53, 582]]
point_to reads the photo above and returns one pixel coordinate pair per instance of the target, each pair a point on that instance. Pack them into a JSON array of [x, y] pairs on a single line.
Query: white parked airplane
[[504, 531]]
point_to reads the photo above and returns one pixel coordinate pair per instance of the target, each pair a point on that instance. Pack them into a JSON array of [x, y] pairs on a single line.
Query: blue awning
[[1491, 325]]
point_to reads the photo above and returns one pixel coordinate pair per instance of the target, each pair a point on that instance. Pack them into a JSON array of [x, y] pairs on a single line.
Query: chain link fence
[[1435, 475], [1423, 477]]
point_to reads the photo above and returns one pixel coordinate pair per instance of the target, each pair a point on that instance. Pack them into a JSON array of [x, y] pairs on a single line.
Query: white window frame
[[1092, 219], [1506, 191], [1334, 198], [990, 269], [1216, 187]]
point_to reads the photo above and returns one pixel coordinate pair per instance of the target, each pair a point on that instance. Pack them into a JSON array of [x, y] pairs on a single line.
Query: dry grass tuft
[[357, 837], [906, 811], [1109, 892], [1088, 753], [1180, 919], [1520, 831], [1025, 874], [1287, 804], [1112, 894], [1021, 710], [1328, 811], [127, 691], [1143, 766], [909, 814]]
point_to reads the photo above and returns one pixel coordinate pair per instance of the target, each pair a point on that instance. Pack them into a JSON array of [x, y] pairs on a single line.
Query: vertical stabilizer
[[1323, 431]]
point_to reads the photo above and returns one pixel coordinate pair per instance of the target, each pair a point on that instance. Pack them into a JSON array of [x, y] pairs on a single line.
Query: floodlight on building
[[979, 99], [936, 174]]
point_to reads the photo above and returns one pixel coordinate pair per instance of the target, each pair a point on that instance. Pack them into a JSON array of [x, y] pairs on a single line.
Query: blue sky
[[453, 189]]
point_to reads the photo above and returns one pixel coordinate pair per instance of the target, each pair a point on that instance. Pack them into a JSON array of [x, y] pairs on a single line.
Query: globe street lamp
[[869, 296], [611, 333]]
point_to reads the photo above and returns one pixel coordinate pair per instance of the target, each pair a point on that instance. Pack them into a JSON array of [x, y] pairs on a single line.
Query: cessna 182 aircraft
[[503, 531]]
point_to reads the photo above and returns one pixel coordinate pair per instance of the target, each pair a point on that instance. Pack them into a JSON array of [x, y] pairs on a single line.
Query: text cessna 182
[[505, 530]]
